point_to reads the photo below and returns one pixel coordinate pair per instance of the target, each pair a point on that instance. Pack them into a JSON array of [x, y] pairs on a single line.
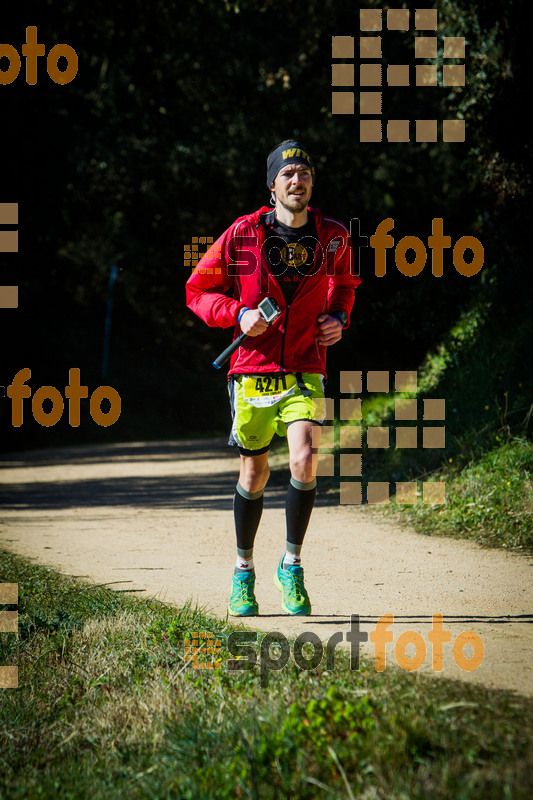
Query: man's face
[[293, 186]]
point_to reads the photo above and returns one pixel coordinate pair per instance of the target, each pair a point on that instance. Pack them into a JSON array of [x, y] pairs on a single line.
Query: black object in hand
[[269, 310]]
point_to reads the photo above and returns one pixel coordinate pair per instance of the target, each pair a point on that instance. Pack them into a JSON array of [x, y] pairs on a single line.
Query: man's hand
[[252, 323], [329, 329]]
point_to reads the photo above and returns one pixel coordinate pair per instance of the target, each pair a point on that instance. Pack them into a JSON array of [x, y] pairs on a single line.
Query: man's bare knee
[[254, 473], [302, 465]]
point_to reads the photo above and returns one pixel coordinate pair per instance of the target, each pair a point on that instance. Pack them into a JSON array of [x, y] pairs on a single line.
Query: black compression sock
[[247, 510], [298, 508]]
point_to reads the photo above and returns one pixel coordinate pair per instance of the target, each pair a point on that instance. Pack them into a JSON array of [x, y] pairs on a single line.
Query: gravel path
[[157, 518]]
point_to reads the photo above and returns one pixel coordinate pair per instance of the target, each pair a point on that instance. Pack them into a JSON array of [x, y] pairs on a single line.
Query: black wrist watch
[[342, 316]]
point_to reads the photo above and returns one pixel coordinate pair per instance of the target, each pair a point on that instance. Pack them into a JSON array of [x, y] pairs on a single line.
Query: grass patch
[[490, 500], [107, 708], [487, 460]]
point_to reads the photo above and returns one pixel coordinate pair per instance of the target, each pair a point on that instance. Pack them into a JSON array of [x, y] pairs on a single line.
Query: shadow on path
[[205, 491]]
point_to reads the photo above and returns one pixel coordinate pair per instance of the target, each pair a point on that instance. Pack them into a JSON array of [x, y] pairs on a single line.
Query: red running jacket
[[234, 273]]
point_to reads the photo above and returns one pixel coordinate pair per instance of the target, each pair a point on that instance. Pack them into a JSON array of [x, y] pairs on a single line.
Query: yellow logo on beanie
[[295, 152]]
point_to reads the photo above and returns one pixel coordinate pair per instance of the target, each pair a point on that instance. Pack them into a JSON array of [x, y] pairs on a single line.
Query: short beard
[[301, 203]]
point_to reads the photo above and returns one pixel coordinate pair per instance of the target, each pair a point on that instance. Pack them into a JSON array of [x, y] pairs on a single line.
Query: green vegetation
[[491, 500], [107, 708], [480, 369], [162, 137]]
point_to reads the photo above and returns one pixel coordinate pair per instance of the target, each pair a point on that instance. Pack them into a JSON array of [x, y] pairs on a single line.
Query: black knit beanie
[[288, 152]]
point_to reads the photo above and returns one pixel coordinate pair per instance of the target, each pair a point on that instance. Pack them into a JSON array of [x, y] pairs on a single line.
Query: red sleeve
[[210, 280], [342, 281]]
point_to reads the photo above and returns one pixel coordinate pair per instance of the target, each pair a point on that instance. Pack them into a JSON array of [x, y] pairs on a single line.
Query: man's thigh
[[253, 428], [298, 407], [303, 436]]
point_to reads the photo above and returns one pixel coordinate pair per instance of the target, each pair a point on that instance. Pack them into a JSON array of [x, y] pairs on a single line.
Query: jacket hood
[[253, 218]]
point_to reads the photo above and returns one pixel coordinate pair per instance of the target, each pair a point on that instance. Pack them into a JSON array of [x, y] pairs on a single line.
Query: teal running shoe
[[294, 597], [242, 602]]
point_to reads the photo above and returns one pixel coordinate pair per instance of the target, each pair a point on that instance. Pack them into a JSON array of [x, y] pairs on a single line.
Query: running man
[[302, 259]]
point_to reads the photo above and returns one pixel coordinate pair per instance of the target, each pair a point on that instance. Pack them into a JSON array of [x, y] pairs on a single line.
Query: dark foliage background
[[163, 136]]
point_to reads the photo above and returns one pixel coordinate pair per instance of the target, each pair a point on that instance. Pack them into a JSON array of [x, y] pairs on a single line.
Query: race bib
[[266, 390]]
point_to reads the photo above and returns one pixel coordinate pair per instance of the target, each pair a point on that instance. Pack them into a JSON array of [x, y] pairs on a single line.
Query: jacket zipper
[[282, 367], [273, 277], [284, 335], [298, 289]]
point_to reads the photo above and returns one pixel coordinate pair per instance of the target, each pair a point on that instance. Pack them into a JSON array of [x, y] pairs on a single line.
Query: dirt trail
[[157, 517]]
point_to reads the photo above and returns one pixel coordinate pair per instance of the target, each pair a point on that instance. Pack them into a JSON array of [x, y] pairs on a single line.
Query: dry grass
[[106, 710]]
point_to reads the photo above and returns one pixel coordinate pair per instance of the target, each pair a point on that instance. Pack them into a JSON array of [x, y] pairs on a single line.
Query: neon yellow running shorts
[[262, 405]]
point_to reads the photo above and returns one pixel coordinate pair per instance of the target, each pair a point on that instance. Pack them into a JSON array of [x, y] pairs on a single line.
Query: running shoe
[[242, 602], [290, 582]]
